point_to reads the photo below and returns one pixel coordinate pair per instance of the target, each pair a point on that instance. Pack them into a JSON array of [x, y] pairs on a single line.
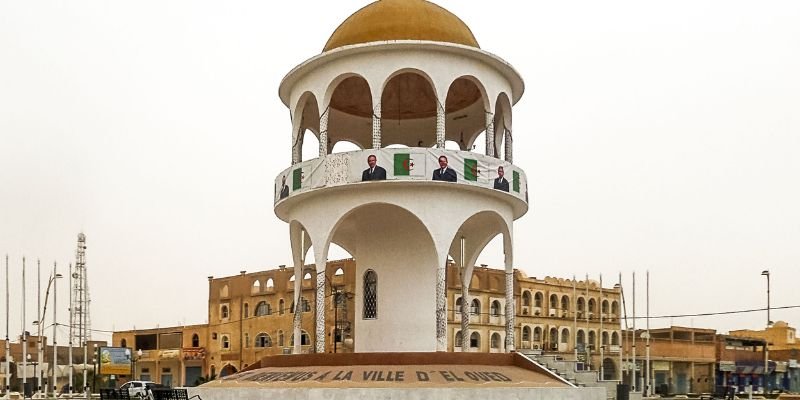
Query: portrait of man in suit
[[444, 173], [501, 183], [374, 172], [284, 188]]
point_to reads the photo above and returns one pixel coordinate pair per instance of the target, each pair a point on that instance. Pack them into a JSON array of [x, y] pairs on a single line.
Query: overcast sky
[[660, 136]]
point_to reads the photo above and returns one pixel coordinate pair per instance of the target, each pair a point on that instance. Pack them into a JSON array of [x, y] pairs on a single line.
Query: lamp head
[[765, 272]]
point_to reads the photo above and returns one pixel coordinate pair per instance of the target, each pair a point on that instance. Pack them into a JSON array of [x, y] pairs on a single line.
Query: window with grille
[[495, 309], [370, 295], [263, 340], [459, 339], [475, 307], [262, 309]]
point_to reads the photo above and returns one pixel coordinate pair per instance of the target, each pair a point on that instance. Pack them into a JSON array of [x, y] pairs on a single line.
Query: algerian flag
[[515, 181], [297, 178], [408, 164], [471, 170]]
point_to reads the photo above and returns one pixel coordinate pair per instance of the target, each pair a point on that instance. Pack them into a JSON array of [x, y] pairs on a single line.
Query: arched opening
[[592, 304], [475, 307], [195, 340], [465, 109], [604, 307], [459, 305], [246, 310], [475, 340], [609, 369], [495, 308], [350, 114], [225, 342], [581, 337], [553, 339], [526, 298], [408, 110], [339, 272], [615, 338], [370, 294], [495, 341], [565, 335], [592, 338], [526, 333], [615, 308], [223, 312], [537, 334], [604, 338], [459, 340], [305, 144], [565, 303], [262, 309], [581, 306], [280, 339], [263, 340], [225, 371], [270, 284], [553, 301], [538, 298], [502, 126], [256, 287]]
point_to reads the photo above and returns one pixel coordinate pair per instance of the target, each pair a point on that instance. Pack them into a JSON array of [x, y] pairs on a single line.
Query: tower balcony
[[404, 170]]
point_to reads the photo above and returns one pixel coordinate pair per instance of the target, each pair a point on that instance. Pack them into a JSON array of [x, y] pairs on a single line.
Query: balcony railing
[[401, 164]]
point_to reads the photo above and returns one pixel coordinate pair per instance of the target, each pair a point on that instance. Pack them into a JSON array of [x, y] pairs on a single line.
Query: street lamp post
[[766, 273], [135, 360], [766, 342]]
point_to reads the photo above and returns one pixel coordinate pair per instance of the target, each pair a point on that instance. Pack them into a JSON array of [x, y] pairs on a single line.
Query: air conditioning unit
[[525, 310], [552, 312], [537, 313], [537, 346], [554, 346], [591, 315], [564, 314]]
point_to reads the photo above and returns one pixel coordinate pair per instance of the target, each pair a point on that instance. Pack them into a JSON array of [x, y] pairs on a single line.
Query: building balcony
[[411, 168]]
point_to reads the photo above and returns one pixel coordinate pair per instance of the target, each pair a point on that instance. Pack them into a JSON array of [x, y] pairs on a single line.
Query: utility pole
[[8, 344]]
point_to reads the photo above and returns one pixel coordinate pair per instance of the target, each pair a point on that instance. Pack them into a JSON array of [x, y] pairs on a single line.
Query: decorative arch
[[496, 341], [409, 103], [228, 369], [349, 112], [502, 128], [526, 298], [305, 117], [538, 299], [466, 107]]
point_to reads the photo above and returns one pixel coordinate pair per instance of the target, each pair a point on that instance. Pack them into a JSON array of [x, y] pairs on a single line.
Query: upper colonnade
[[407, 93]]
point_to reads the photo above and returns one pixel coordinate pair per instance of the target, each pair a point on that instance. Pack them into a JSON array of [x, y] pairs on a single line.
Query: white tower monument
[[406, 82]]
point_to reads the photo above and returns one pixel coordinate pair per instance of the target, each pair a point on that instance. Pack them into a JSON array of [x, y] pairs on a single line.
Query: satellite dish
[[75, 275]]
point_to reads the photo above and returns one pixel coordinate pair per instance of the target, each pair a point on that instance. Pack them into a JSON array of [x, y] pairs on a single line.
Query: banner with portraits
[[402, 164]]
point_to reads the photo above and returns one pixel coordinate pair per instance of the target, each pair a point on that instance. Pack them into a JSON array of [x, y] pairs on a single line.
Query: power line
[[717, 313]]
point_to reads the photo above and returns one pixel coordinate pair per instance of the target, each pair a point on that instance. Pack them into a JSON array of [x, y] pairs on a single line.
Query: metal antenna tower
[[80, 320]]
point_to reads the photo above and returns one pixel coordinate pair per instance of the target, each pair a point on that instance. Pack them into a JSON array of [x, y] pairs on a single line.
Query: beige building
[[250, 316], [779, 335]]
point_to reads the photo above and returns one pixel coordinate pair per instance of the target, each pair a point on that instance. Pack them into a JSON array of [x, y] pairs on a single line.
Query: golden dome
[[401, 20]]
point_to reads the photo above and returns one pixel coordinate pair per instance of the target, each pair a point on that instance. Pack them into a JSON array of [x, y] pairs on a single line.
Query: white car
[[140, 389]]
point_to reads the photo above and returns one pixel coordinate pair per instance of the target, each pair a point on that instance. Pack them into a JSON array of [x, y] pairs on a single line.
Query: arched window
[[604, 307], [495, 340], [565, 303], [256, 287], [614, 338], [565, 335], [226, 342], [262, 309], [246, 310], [581, 337], [475, 340], [460, 304], [459, 339], [475, 307], [526, 298], [195, 340], [263, 340], [495, 308], [370, 294], [339, 272], [213, 371], [305, 305], [592, 338], [526, 333], [223, 312], [280, 338], [553, 337], [537, 334], [604, 340], [615, 308], [581, 304], [123, 343], [591, 305], [281, 307], [537, 299], [246, 340], [270, 284], [307, 276], [553, 301]]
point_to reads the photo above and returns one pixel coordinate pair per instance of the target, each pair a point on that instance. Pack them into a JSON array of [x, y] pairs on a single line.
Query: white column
[[323, 133], [509, 147], [465, 300], [440, 125], [298, 291], [319, 345], [441, 308], [297, 142], [376, 126], [490, 134]]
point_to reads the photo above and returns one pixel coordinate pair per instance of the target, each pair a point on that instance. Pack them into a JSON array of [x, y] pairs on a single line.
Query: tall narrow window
[[370, 295]]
